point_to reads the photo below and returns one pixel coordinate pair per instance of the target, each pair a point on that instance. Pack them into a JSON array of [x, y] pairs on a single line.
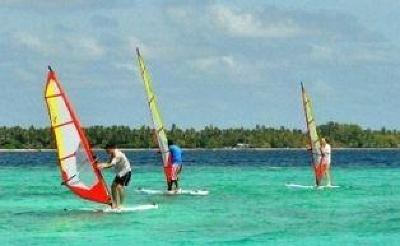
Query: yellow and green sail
[[159, 129]]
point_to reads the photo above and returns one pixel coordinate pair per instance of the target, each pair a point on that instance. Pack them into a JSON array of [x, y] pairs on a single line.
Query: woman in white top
[[326, 159]]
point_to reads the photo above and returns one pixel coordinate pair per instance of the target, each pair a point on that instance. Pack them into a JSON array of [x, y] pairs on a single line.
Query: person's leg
[[178, 172], [174, 172], [317, 176], [114, 194], [318, 169], [169, 185], [328, 175], [318, 181], [176, 184], [168, 172], [180, 169], [126, 182], [321, 170], [117, 196], [121, 195]]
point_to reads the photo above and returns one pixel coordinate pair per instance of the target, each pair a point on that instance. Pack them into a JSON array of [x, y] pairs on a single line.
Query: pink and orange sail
[[313, 138], [76, 159]]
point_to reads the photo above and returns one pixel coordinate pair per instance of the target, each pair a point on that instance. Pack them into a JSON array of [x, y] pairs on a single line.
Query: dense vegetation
[[340, 135]]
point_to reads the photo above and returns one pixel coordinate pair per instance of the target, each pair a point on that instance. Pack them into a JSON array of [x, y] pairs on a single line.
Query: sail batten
[[76, 160], [158, 124]]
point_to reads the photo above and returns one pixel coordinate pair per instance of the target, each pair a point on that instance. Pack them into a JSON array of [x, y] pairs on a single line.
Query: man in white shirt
[[326, 159], [122, 167]]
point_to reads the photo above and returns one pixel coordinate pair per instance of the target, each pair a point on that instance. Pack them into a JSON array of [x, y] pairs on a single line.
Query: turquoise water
[[248, 203]]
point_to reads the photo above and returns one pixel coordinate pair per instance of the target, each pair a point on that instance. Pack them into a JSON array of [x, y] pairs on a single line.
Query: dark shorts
[[124, 180]]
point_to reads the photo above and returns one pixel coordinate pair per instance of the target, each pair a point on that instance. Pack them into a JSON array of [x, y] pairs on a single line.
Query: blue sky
[[226, 63]]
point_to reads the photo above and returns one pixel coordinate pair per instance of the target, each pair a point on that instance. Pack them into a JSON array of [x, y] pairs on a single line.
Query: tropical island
[[340, 136]]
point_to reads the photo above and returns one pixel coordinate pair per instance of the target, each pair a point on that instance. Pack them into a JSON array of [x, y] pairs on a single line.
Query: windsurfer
[[123, 173], [326, 159], [176, 160]]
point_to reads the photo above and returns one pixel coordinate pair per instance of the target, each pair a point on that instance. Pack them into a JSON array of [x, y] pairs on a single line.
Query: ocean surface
[[248, 204]]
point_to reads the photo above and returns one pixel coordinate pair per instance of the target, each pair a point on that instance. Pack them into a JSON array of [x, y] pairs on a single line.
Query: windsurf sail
[[314, 140], [76, 160], [159, 129]]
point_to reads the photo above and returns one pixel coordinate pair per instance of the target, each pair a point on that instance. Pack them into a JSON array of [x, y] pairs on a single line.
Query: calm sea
[[248, 204]]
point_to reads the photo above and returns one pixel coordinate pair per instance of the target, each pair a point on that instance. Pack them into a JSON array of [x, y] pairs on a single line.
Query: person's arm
[[324, 151], [104, 165], [327, 150], [108, 164]]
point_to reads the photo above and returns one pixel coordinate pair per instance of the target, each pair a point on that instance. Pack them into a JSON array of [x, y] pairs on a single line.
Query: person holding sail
[[176, 160], [322, 162], [326, 159], [122, 166]]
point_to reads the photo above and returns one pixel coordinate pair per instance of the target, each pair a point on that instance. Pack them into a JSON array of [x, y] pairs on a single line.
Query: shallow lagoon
[[248, 203]]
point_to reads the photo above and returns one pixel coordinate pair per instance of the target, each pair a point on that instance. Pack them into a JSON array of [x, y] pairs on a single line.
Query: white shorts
[[175, 170], [326, 162]]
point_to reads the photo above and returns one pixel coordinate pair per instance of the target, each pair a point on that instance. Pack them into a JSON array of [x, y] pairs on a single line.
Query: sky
[[225, 63]]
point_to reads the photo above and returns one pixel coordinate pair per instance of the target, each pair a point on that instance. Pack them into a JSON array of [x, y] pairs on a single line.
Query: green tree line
[[340, 135]]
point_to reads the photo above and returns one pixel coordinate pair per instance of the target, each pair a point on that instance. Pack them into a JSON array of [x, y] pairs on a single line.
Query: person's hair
[[110, 146], [325, 139], [170, 142]]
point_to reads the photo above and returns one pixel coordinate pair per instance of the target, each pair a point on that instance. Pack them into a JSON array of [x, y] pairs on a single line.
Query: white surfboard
[[310, 187], [122, 210], [171, 193]]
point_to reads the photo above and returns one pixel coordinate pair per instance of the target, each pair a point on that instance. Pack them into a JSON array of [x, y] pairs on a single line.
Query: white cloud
[[371, 53], [227, 68], [29, 41], [352, 53], [135, 42], [191, 43], [178, 13], [206, 63], [55, 46], [153, 49], [128, 66], [249, 25], [86, 45], [321, 88], [46, 4], [321, 52]]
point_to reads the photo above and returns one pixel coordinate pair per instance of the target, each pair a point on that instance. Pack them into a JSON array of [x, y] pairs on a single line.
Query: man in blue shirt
[[176, 160]]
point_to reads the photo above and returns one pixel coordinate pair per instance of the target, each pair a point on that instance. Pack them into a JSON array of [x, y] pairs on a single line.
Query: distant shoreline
[[186, 149], [259, 137]]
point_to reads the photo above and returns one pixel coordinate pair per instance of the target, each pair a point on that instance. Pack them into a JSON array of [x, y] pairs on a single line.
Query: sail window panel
[[58, 111], [67, 139]]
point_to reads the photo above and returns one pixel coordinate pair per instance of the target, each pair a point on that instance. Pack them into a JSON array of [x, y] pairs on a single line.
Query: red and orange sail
[[76, 159]]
